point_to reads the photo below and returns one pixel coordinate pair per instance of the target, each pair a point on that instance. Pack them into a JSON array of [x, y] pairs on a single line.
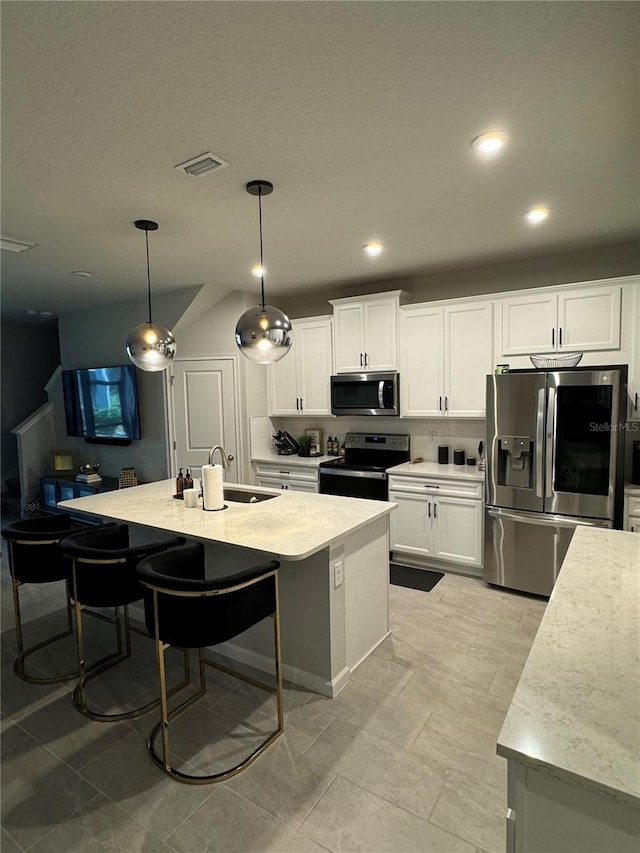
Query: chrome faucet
[[226, 459]]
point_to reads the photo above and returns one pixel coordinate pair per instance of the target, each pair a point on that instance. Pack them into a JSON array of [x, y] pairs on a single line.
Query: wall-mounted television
[[101, 404]]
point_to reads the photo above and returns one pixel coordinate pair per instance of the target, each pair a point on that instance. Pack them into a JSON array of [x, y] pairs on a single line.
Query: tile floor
[[402, 760]]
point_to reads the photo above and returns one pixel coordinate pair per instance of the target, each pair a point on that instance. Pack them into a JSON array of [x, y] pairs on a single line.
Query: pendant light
[[150, 346], [262, 333]]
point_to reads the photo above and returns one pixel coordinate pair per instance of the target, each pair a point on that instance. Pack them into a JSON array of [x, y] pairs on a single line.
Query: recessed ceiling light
[[490, 142], [258, 271], [82, 273], [13, 244], [536, 215], [372, 249]]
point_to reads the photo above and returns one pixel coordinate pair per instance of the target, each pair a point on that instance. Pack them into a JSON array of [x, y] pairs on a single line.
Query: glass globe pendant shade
[[151, 347], [262, 334]]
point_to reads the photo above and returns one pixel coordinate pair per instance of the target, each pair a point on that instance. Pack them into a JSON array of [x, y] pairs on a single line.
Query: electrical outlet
[[338, 573]]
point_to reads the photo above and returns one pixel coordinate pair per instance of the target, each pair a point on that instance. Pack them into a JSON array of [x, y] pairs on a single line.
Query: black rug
[[423, 579]]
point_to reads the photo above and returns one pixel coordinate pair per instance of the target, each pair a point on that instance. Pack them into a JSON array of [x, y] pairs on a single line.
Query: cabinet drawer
[[633, 506], [449, 488], [298, 473]]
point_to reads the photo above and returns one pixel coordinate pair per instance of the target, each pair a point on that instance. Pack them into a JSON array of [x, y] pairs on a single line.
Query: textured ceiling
[[360, 113]]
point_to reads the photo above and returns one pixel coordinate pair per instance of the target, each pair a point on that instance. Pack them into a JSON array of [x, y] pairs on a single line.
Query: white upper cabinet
[[581, 319], [365, 332], [446, 351], [300, 383], [634, 372]]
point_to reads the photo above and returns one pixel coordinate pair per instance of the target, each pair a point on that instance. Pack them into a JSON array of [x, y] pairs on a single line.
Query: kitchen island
[[572, 733], [334, 574]]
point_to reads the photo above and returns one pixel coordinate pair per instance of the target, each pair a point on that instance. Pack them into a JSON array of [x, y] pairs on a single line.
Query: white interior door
[[204, 413]]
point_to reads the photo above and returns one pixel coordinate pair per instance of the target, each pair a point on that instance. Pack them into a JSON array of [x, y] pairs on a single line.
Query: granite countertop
[[576, 709], [294, 459], [434, 470], [293, 525]]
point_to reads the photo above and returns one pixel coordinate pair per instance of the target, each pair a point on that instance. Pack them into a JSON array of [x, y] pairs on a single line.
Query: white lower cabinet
[[297, 478], [438, 519], [632, 513]]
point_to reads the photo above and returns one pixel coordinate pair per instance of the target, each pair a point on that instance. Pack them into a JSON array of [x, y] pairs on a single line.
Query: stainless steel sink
[[248, 497]]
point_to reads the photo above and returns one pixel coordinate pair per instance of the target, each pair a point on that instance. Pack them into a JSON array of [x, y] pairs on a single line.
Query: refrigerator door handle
[[551, 440], [539, 452], [545, 520]]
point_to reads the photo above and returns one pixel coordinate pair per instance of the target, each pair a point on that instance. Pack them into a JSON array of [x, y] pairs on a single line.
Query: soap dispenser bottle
[[179, 484]]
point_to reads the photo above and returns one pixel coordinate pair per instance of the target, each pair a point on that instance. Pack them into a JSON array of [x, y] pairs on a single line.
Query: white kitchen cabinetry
[[366, 335], [437, 519], [446, 351], [634, 368], [299, 384], [632, 511], [279, 475], [573, 320]]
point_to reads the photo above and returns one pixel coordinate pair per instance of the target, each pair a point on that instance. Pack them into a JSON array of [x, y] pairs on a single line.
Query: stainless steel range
[[361, 473]]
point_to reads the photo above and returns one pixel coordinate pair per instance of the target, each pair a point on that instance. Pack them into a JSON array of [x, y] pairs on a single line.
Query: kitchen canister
[[212, 487], [443, 454], [459, 457]]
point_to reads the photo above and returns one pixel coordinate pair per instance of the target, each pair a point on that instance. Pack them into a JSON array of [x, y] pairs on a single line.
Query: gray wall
[[97, 339], [490, 277], [29, 354]]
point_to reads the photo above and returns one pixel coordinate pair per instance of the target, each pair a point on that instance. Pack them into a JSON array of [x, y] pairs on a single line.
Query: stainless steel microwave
[[365, 394]]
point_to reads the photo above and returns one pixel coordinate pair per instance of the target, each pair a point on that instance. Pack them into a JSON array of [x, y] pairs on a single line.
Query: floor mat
[[423, 579]]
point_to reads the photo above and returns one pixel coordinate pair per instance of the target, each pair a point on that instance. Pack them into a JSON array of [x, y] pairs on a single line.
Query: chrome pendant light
[[262, 333], [150, 346]]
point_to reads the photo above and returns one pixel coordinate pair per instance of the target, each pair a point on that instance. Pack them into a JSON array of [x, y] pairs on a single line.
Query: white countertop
[[293, 459], [434, 470], [576, 709], [293, 525]]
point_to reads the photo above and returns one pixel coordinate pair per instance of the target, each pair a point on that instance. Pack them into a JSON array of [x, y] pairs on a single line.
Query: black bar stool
[[35, 557], [103, 574], [186, 608]]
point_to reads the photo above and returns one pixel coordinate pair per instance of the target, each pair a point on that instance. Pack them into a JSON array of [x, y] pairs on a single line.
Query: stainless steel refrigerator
[[555, 457]]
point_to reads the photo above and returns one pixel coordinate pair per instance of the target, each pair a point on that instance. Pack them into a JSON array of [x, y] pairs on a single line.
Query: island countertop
[[576, 710], [293, 525]]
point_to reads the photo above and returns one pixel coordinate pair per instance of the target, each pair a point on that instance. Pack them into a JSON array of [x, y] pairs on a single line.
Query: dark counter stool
[[35, 557], [185, 607], [103, 575]]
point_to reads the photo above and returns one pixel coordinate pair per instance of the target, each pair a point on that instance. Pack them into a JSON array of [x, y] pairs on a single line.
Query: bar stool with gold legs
[[35, 558], [189, 605], [103, 575]]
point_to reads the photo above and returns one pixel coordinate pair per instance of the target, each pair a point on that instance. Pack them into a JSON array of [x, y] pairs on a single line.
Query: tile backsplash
[[426, 435]]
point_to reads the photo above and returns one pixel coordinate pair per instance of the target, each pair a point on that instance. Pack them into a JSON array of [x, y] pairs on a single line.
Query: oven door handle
[[368, 475]]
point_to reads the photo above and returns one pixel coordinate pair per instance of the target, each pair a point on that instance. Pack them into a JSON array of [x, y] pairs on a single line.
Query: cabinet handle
[[366, 359], [440, 403], [297, 406], [301, 408], [429, 509], [446, 404], [635, 405], [560, 337], [361, 364], [435, 509], [553, 337]]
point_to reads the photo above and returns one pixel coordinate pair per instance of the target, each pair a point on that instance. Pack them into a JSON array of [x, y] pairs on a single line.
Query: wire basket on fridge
[[555, 360]]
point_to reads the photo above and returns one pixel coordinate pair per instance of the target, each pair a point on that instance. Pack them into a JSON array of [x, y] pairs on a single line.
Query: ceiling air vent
[[14, 244], [202, 164]]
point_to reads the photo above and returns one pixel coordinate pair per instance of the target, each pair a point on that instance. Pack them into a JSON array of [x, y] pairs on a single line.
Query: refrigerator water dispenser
[[514, 461]]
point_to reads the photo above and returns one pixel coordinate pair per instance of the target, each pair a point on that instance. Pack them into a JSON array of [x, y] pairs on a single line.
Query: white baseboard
[[264, 663]]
